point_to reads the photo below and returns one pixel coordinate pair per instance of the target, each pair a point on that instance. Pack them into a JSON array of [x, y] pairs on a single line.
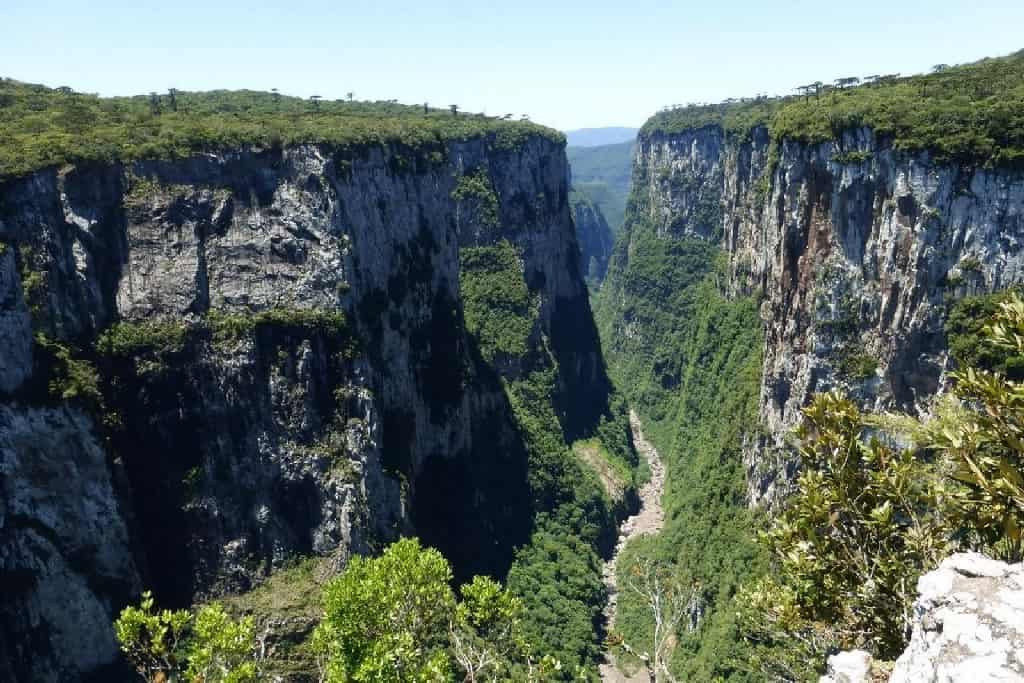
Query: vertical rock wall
[[222, 446], [855, 251]]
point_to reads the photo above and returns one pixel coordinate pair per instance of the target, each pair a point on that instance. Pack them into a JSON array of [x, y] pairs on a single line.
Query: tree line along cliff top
[[971, 113], [41, 126]]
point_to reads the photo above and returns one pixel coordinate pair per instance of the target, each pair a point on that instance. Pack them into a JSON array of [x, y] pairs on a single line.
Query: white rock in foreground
[[968, 624], [852, 666]]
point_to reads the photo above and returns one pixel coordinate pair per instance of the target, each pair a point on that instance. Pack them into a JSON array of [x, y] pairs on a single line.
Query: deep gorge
[[230, 368]]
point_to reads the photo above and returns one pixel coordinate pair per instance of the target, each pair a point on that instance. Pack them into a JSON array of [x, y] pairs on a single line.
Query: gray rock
[[594, 236], [852, 666], [968, 624], [15, 326], [65, 558], [853, 259], [237, 455]]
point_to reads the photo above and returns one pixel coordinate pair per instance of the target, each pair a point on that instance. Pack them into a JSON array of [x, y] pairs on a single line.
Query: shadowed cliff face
[[594, 236], [230, 442], [855, 262]]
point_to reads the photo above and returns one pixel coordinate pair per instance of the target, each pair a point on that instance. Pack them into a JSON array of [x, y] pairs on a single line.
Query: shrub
[[233, 325], [984, 445], [977, 104], [202, 646], [859, 530], [857, 365], [967, 337], [68, 376], [395, 617], [129, 338], [476, 188]]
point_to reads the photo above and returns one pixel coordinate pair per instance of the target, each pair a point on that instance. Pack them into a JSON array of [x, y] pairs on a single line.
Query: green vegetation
[[965, 331], [857, 365], [287, 605], [33, 282], [125, 339], [475, 188], [68, 375], [987, 459], [395, 618], [390, 618], [203, 646], [854, 157], [737, 118], [42, 127], [868, 518], [161, 336], [557, 574], [229, 326], [604, 174], [973, 113], [693, 376], [613, 473], [387, 618], [499, 310], [859, 530]]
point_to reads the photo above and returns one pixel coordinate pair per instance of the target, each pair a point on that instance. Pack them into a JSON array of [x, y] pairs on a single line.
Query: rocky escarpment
[[594, 236], [854, 249], [217, 363]]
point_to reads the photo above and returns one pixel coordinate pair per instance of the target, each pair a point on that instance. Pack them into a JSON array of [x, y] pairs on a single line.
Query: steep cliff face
[[217, 363], [855, 251], [595, 238]]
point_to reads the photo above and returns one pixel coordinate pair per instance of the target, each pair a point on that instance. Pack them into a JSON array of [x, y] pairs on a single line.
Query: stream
[[649, 519]]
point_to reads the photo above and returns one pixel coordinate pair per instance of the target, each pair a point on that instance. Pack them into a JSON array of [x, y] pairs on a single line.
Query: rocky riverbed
[[649, 519]]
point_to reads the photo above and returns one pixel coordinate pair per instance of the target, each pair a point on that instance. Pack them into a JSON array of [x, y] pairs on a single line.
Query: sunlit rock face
[[855, 262], [968, 624]]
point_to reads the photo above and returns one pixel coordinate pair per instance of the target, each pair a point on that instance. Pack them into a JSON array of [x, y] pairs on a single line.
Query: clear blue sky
[[566, 64]]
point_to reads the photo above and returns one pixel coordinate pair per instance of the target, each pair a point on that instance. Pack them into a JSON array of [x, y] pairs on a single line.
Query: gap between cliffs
[[649, 519]]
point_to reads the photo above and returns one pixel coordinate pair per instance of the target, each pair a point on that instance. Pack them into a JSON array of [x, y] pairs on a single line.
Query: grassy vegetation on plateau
[[973, 113], [42, 127]]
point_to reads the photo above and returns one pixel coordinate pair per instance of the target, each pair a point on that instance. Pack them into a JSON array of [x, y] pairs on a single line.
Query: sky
[[566, 64]]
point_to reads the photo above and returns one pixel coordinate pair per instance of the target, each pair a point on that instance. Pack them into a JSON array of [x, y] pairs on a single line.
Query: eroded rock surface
[[968, 624], [214, 458], [855, 261]]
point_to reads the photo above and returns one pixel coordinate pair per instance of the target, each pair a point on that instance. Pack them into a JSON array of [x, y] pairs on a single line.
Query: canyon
[[226, 363]]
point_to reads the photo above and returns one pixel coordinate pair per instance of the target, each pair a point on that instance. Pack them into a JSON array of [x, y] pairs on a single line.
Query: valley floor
[[649, 519]]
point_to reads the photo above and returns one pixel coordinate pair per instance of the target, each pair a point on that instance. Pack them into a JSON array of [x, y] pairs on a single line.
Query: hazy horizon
[[569, 66]]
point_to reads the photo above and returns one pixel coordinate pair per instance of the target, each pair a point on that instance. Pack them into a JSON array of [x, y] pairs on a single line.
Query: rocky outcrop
[[968, 624], [595, 238], [855, 250], [295, 376]]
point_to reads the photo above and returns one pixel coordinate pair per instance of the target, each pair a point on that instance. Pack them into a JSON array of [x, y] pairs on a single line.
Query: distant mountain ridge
[[595, 137], [603, 173]]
